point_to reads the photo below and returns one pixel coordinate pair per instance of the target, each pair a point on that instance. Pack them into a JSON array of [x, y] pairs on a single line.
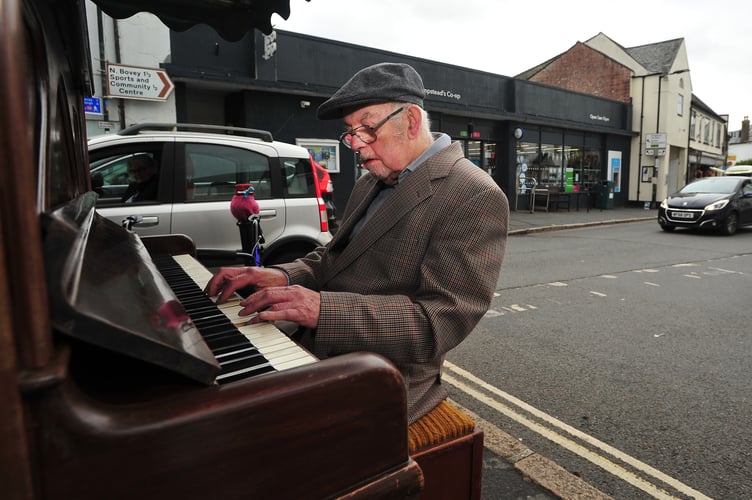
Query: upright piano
[[118, 378]]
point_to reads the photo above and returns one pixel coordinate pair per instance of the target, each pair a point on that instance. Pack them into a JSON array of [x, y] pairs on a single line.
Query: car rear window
[[298, 175]]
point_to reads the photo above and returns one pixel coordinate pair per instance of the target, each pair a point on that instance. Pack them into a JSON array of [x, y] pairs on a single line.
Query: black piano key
[[247, 360]]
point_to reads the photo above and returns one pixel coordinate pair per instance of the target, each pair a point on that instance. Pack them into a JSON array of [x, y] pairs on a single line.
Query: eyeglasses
[[366, 133]]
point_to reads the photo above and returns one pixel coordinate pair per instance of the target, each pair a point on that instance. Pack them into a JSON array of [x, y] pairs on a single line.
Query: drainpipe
[[689, 150], [642, 121], [102, 64], [121, 103], [657, 130], [658, 115]]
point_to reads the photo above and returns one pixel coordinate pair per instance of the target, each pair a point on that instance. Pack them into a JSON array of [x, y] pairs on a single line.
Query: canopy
[[232, 19]]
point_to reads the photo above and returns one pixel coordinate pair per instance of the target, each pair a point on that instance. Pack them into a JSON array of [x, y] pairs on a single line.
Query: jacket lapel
[[408, 194]]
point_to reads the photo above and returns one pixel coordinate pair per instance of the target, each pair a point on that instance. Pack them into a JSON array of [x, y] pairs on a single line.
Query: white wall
[[143, 41], [741, 151]]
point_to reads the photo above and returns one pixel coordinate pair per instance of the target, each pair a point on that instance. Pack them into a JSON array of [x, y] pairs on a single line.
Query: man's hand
[[289, 303], [228, 280]]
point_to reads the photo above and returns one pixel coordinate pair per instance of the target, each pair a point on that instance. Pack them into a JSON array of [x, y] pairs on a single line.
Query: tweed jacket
[[418, 276]]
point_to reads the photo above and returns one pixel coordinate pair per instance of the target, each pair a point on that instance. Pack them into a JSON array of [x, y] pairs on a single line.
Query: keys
[[242, 349]]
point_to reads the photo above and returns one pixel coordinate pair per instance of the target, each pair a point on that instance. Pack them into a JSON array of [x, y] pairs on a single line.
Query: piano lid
[[105, 290], [232, 19]]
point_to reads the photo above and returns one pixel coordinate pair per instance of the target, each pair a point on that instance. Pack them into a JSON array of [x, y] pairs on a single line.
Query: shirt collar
[[440, 141]]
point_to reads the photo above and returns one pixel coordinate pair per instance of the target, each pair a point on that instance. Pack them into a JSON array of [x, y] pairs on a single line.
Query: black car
[[719, 203]]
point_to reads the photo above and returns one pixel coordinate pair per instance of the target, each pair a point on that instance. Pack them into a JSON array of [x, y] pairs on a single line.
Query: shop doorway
[[481, 153]]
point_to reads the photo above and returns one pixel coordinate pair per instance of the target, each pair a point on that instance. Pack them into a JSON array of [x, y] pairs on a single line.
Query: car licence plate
[[683, 215]]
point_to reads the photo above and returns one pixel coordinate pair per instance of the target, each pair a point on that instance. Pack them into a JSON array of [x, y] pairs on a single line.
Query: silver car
[[193, 181]]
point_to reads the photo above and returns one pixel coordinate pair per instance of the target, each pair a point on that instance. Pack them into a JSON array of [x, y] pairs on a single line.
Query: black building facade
[[521, 133]]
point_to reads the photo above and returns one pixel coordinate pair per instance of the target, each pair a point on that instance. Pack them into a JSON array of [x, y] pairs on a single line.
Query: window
[[527, 174], [213, 170], [126, 175], [550, 163], [718, 135], [693, 125], [298, 176], [680, 105]]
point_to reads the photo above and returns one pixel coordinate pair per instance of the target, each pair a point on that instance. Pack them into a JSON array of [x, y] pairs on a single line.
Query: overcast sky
[[507, 38]]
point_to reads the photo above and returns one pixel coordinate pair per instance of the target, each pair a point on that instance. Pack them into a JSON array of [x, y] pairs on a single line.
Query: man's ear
[[414, 120]]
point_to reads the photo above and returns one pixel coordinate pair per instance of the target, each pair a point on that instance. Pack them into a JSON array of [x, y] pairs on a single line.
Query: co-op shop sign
[[444, 93], [133, 82]]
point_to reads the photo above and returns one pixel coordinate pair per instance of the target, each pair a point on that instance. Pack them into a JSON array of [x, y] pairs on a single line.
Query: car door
[[210, 173], [117, 172]]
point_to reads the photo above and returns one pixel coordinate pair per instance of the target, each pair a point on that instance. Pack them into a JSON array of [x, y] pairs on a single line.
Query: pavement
[[524, 222], [511, 470]]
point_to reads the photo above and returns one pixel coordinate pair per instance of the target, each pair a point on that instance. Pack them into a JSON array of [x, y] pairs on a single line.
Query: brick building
[[675, 133]]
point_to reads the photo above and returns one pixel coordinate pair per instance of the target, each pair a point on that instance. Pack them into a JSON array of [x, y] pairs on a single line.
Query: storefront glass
[[489, 157], [549, 164], [472, 152], [481, 153], [573, 168], [528, 177], [591, 169], [567, 160]]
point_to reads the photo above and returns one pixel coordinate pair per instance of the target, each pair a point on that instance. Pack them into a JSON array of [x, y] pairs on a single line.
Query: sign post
[[133, 82], [655, 144]]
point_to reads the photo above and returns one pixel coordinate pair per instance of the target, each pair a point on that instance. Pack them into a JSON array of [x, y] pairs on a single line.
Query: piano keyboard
[[242, 349]]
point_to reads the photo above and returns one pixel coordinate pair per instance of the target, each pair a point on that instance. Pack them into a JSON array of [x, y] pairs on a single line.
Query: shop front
[[521, 133], [558, 161]]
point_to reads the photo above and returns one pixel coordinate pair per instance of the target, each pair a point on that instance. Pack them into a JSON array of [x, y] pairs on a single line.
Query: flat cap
[[383, 82]]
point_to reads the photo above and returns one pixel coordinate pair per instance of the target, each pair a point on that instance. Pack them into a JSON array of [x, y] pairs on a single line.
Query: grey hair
[[425, 125]]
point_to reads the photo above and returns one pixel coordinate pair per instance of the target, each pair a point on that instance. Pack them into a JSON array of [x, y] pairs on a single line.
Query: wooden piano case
[[453, 469], [80, 421]]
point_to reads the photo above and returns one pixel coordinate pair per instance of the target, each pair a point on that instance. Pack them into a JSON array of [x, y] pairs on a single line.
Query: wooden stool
[[449, 450]]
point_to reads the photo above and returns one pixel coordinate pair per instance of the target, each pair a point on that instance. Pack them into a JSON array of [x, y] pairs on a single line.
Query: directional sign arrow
[[134, 82], [168, 85]]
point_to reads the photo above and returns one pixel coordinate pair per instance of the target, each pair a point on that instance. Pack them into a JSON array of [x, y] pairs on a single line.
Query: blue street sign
[[93, 105]]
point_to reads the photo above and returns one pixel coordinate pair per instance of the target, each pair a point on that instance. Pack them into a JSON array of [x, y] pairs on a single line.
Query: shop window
[[528, 175], [591, 169], [472, 152], [573, 168], [489, 157], [550, 164]]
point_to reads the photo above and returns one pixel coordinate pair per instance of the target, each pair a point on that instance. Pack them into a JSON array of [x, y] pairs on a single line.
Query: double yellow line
[[566, 436]]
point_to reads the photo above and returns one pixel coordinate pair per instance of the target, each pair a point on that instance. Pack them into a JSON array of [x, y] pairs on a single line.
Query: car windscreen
[[712, 185]]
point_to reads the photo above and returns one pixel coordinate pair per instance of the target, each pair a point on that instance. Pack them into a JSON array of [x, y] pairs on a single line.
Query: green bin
[[604, 195]]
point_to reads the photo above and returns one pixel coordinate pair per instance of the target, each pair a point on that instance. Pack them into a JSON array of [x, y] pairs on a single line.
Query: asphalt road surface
[[623, 354]]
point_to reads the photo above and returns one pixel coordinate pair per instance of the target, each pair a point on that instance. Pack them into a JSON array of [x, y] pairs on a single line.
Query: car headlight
[[664, 204], [717, 205]]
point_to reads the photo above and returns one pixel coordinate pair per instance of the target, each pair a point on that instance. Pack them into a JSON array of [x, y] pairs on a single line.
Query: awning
[[705, 158], [232, 19]]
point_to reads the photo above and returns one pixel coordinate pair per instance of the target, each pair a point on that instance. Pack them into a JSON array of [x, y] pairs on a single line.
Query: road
[[623, 354]]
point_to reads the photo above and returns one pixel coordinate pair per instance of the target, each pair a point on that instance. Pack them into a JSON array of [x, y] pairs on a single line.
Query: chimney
[[744, 136]]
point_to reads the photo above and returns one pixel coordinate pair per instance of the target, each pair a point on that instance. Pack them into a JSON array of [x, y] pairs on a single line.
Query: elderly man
[[415, 262]]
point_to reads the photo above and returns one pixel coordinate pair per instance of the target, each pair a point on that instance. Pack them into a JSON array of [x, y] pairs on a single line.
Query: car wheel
[[668, 229], [731, 224]]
